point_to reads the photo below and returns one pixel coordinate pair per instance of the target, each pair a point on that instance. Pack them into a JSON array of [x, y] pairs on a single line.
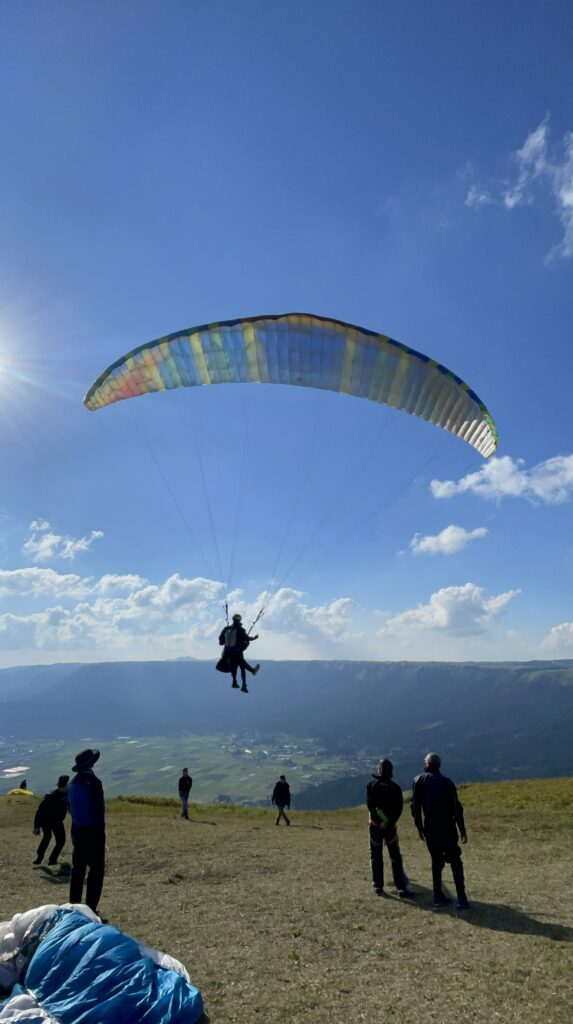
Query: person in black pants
[[281, 799], [185, 783], [87, 809], [385, 803], [49, 819], [235, 640], [439, 816]]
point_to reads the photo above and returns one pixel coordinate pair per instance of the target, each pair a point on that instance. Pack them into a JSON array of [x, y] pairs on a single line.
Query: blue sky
[[405, 167]]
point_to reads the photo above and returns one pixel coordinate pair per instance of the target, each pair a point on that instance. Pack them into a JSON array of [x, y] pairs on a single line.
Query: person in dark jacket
[[87, 810], [49, 819], [439, 817], [281, 799], [235, 640], [185, 783], [385, 803]]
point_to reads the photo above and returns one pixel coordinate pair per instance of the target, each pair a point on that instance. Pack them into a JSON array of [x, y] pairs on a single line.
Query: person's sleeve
[[99, 802], [399, 804], [370, 804], [222, 638], [39, 815], [274, 795], [288, 796], [190, 782], [416, 809]]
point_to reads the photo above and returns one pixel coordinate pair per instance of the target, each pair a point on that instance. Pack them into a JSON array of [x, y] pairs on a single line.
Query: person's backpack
[[231, 636], [223, 664]]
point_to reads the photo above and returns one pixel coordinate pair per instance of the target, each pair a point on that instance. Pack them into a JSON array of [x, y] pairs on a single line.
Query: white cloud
[[537, 167], [559, 639], [287, 611], [447, 542], [462, 611], [479, 197], [549, 482], [563, 191], [126, 615], [34, 582], [532, 162], [112, 583], [44, 545]]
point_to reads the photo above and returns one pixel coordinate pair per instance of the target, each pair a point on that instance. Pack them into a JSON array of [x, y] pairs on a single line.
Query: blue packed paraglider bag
[[83, 972]]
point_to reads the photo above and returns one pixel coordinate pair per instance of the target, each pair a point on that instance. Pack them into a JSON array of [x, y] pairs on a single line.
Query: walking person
[[235, 640], [281, 799], [49, 819], [185, 783], [439, 817], [385, 804], [87, 810]]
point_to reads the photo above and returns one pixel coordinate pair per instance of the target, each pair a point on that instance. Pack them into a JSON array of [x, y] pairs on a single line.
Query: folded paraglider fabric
[[72, 969]]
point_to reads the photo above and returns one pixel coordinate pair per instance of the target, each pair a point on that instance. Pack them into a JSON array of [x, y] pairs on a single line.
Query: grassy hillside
[[494, 721], [281, 925]]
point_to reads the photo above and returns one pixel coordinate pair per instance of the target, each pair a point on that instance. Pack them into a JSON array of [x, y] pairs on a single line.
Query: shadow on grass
[[202, 821], [500, 918], [295, 824], [57, 877]]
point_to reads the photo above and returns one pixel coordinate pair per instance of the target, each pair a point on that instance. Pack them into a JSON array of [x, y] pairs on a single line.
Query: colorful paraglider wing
[[307, 351]]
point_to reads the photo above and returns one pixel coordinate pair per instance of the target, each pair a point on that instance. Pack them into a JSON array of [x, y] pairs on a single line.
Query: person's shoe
[[234, 686], [256, 669], [463, 904], [407, 894], [37, 861], [441, 901], [379, 891], [244, 689]]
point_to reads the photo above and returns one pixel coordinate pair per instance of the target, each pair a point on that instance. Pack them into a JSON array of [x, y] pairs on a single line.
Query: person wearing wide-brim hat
[[87, 809]]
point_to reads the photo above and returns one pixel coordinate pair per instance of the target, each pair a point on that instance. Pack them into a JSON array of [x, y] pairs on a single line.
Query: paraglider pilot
[[235, 640]]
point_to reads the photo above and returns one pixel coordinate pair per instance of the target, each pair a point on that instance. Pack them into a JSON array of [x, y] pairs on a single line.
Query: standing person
[[385, 803], [439, 816], [185, 783], [281, 799], [87, 810], [235, 640], [49, 819]]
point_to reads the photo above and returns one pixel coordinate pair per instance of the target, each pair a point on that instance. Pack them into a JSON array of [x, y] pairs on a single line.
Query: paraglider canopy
[[304, 350]]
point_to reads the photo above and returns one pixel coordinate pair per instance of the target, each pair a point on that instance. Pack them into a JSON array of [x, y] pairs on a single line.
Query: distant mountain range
[[488, 720]]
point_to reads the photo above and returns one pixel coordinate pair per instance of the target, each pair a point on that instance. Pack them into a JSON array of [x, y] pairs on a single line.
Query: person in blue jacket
[[49, 819], [87, 809]]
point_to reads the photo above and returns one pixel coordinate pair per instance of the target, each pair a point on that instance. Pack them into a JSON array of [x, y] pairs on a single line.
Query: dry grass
[[281, 925]]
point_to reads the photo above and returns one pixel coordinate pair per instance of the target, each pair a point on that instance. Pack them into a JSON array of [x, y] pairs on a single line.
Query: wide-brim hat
[[85, 759]]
